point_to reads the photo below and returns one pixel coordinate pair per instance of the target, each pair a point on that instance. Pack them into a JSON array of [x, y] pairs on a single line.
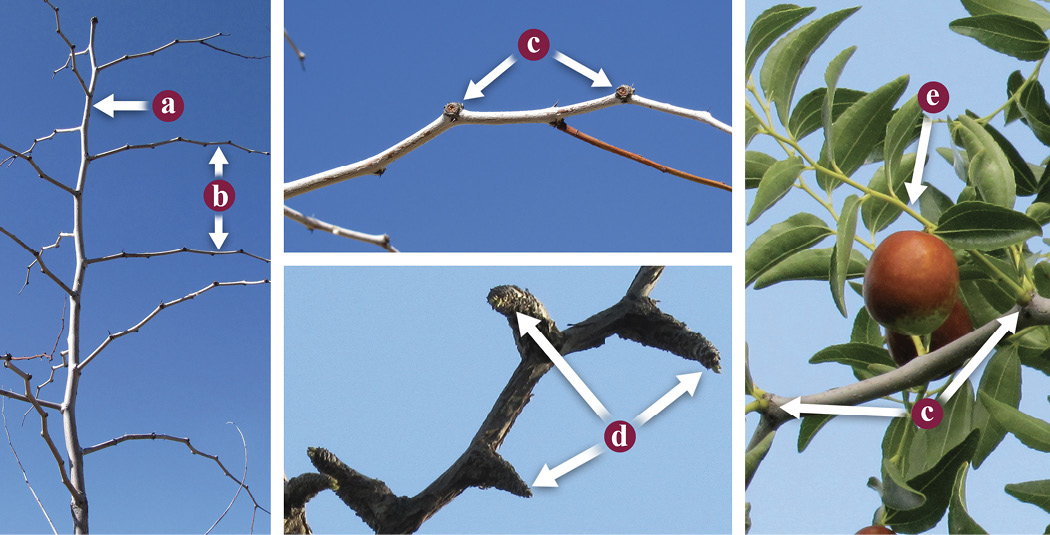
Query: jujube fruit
[[911, 282], [875, 529], [902, 349]]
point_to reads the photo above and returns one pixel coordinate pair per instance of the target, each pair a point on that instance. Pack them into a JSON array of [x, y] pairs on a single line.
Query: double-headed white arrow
[[218, 160], [527, 325], [474, 90], [218, 237], [599, 78], [686, 383], [109, 105], [548, 477], [915, 187], [1007, 324]]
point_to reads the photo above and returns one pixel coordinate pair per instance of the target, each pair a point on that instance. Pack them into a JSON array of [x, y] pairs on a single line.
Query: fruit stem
[[1021, 296]]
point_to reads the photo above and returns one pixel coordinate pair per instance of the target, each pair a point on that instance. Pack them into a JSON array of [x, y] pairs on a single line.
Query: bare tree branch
[[38, 255], [299, 53], [122, 254], [312, 223], [28, 158], [240, 484], [202, 41], [160, 307], [28, 152], [71, 61], [179, 139], [3, 412]]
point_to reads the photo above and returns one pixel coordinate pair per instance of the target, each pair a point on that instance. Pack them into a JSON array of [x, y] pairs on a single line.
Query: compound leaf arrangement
[[996, 265]]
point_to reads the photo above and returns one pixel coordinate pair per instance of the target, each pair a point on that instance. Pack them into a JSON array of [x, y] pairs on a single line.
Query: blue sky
[[513, 187], [823, 489], [196, 366], [394, 368]]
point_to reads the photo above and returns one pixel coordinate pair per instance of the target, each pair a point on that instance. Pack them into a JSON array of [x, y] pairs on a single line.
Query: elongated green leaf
[[1001, 381], [854, 355], [936, 484], [840, 253], [990, 170], [751, 125], [1013, 83], [811, 423], [831, 78], [787, 58], [810, 264], [1027, 183], [959, 519], [983, 226], [1020, 38], [806, 116], [933, 203], [798, 232], [776, 182], [1023, 9], [749, 384], [878, 214], [1034, 110], [930, 446], [900, 132], [770, 25], [895, 491], [1042, 278], [861, 128], [1039, 212], [755, 166], [1034, 492], [754, 457], [866, 330], [1031, 431]]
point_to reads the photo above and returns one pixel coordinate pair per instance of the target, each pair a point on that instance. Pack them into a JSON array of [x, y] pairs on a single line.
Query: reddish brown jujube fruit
[[902, 349], [875, 529], [911, 282]]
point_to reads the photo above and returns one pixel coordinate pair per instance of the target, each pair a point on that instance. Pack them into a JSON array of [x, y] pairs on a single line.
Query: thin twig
[[122, 254], [299, 53], [202, 40], [28, 152], [562, 126], [3, 412], [29, 268], [71, 61], [312, 223], [702, 116], [240, 484], [179, 139], [160, 307], [28, 158], [39, 260]]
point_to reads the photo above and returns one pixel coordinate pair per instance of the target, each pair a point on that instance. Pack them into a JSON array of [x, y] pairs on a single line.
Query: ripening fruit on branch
[[911, 282], [875, 529], [902, 349]]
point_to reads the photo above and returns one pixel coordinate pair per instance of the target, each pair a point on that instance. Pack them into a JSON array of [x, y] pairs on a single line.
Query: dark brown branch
[[202, 40], [561, 125], [123, 254], [179, 139]]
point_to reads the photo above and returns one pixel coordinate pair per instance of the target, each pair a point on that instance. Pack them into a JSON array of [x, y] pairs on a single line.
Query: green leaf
[[755, 166], [1034, 492], [895, 491], [990, 170], [866, 330], [787, 58], [981, 311], [936, 484], [770, 25], [751, 125], [930, 446], [1039, 212], [959, 519], [1020, 38], [854, 355], [877, 214], [1035, 112], [933, 203], [1031, 431], [1027, 184], [831, 78], [1001, 381], [811, 423], [900, 132], [983, 226], [798, 232], [861, 128], [810, 264], [754, 457], [840, 253], [1013, 83], [776, 182], [806, 116], [1042, 278], [1023, 9], [749, 384]]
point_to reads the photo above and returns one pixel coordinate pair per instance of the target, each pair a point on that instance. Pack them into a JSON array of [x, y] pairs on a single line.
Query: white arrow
[[548, 477], [1007, 324], [108, 105], [474, 90], [218, 237], [599, 78], [527, 325], [796, 408], [686, 383], [218, 160], [915, 188]]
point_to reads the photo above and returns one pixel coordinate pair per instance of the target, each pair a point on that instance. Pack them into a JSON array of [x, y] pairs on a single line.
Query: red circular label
[[167, 106], [933, 97], [218, 195], [533, 44], [927, 413], [619, 436]]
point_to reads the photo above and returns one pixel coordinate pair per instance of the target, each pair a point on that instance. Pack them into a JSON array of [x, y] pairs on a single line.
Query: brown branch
[[299, 53], [312, 223], [122, 254], [201, 40], [179, 139], [480, 465], [562, 126], [38, 255], [28, 158], [71, 60]]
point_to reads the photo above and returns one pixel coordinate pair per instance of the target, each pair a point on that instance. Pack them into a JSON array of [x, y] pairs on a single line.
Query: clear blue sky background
[[195, 366], [394, 368], [823, 490], [377, 72]]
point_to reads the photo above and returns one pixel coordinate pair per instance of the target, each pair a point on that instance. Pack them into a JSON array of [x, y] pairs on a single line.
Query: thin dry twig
[[39, 260], [240, 484], [28, 158], [160, 307], [29, 268], [179, 139], [71, 60], [10, 159], [122, 254], [201, 40], [3, 412], [562, 126], [312, 223], [299, 53]]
